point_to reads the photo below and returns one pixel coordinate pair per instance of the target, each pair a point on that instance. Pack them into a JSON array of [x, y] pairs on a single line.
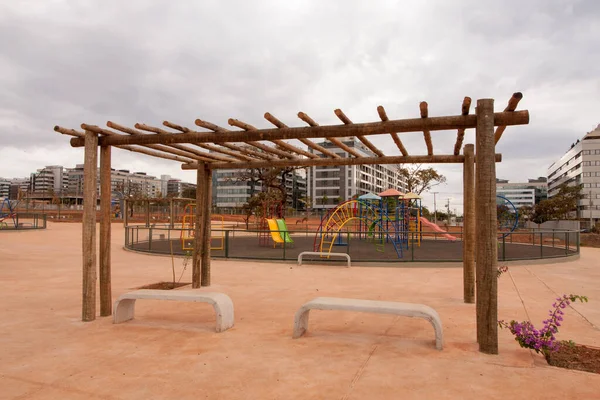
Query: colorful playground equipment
[[8, 211], [270, 210], [391, 217], [436, 228], [279, 232], [188, 229]]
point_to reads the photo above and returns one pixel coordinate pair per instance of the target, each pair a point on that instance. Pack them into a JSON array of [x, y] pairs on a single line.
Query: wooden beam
[[105, 232], [460, 135], [512, 106], [203, 154], [206, 227], [366, 129], [90, 169], [340, 114], [248, 127], [304, 117], [216, 128], [435, 159], [485, 210], [141, 150], [394, 135], [469, 224], [426, 132]]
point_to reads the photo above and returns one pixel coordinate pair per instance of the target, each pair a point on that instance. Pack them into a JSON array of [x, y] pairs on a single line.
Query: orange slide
[[436, 228]]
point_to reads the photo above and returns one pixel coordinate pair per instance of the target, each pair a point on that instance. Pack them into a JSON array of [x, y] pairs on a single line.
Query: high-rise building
[[52, 179], [330, 185], [4, 188], [230, 193], [523, 193], [580, 165]]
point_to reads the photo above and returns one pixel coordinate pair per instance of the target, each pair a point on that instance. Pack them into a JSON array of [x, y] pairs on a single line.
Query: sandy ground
[[171, 350]]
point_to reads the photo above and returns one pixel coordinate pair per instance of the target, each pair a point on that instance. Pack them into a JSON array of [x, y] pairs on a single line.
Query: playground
[[386, 227], [11, 219], [171, 350]]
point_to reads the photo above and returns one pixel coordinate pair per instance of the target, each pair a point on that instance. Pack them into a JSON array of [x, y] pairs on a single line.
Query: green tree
[[419, 179], [560, 206]]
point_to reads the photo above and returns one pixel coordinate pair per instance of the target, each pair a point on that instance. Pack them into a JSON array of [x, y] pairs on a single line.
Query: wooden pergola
[[215, 147]]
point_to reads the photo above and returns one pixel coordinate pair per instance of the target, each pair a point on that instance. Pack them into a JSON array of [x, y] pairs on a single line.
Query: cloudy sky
[[68, 62]]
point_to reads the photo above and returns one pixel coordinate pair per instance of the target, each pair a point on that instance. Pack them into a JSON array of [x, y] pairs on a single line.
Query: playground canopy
[[369, 196], [391, 193], [216, 147]]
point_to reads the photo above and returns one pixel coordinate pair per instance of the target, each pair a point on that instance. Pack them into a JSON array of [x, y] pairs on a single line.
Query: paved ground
[[171, 350]]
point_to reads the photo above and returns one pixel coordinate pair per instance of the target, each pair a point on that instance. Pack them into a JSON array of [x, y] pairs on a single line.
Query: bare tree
[[419, 179]]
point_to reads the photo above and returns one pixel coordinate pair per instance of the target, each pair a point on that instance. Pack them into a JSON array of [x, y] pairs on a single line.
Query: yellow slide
[[274, 232]]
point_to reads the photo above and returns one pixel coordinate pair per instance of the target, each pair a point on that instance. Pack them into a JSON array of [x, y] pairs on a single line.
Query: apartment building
[[49, 180], [4, 188], [230, 194], [177, 188], [330, 185], [523, 193], [580, 165]]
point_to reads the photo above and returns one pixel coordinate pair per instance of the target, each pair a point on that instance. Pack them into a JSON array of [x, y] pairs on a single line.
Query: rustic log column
[[487, 250], [206, 228], [125, 212], [198, 228], [469, 224], [147, 213], [105, 232], [90, 169]]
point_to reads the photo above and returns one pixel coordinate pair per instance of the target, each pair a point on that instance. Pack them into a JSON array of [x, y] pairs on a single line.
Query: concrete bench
[[369, 306], [322, 254], [125, 305]]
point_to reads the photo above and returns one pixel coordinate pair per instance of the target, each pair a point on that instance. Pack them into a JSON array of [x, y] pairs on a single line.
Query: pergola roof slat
[[426, 132], [217, 128], [304, 117], [217, 157], [135, 149], [248, 127], [283, 144], [511, 106], [340, 114], [460, 135], [161, 147], [394, 135]]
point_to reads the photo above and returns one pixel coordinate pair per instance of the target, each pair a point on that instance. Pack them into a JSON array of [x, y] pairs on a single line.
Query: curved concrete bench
[[125, 305], [322, 254], [369, 306]]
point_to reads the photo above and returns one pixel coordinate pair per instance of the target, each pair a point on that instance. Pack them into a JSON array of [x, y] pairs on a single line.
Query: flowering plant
[[543, 340], [502, 269]]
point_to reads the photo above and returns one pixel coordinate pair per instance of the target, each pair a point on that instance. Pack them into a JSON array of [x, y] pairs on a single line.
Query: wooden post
[[469, 224], [206, 231], [147, 213], [105, 232], [487, 250], [125, 212], [90, 169], [198, 228], [171, 214]]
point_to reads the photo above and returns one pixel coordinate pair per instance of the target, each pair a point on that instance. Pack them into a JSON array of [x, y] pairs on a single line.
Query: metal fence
[[23, 221], [426, 246]]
